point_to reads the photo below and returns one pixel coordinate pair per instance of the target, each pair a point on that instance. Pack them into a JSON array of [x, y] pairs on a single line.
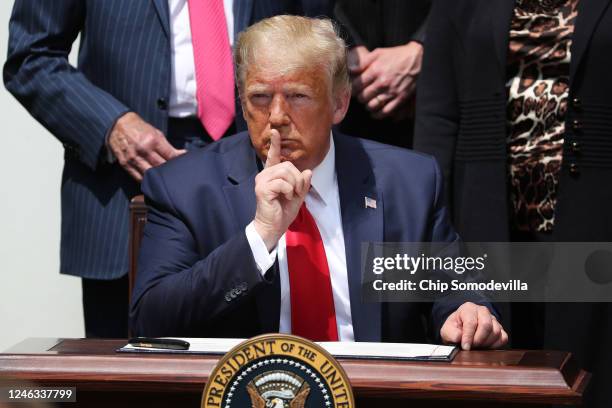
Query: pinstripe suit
[[124, 65]]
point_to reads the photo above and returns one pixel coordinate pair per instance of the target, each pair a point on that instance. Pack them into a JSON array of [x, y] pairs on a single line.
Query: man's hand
[[473, 326], [139, 146], [280, 190], [384, 80]]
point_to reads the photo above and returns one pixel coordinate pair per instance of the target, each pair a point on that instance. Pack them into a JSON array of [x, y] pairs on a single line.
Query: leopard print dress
[[538, 86]]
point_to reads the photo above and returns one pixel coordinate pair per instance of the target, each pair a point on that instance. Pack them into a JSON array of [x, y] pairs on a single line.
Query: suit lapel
[[161, 6], [589, 14], [240, 196], [241, 171], [500, 16], [243, 11], [360, 224]]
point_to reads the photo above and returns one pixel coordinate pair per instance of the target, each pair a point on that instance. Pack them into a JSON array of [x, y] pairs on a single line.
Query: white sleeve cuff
[[263, 258]]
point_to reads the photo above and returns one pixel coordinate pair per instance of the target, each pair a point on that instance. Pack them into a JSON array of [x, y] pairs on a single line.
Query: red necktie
[[213, 66], [312, 303]]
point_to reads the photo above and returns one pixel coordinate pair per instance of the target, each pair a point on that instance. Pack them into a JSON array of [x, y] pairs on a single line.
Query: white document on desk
[[357, 350]]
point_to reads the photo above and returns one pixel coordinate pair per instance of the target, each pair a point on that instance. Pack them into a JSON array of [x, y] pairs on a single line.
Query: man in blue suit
[[132, 96], [238, 232]]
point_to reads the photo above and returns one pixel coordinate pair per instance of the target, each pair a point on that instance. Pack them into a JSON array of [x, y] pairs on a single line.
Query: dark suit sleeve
[[177, 289], [443, 232], [437, 110], [38, 74], [421, 33]]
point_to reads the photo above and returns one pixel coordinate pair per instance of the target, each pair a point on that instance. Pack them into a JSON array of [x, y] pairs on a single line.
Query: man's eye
[[298, 96], [259, 98]]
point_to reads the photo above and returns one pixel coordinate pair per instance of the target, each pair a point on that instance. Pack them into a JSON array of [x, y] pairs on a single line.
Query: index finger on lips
[[274, 152]]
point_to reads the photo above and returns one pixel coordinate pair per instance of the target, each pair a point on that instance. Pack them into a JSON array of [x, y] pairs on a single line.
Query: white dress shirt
[[323, 202], [183, 101]]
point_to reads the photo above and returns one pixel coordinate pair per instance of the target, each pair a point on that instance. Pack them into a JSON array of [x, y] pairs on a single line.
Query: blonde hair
[[301, 42]]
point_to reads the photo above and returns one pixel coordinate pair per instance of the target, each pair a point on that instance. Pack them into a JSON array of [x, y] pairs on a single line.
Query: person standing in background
[[386, 39], [515, 103], [140, 95]]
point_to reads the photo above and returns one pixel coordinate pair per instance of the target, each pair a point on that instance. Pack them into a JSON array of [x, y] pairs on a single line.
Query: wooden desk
[[474, 379]]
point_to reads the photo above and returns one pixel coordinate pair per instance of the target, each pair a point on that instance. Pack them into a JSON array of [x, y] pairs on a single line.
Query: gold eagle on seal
[[278, 389]]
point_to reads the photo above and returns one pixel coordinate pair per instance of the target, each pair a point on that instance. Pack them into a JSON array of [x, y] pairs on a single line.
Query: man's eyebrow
[[257, 88], [296, 86]]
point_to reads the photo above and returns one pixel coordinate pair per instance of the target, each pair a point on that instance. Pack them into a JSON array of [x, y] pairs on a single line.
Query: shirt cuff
[[263, 259]]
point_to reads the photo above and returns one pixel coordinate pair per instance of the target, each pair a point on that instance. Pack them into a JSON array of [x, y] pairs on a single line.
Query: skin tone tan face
[[298, 104]]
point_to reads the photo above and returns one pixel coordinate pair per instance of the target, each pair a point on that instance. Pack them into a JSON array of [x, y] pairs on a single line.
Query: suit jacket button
[[575, 146], [162, 104], [233, 293], [574, 170], [228, 297], [576, 125], [243, 287], [577, 103]]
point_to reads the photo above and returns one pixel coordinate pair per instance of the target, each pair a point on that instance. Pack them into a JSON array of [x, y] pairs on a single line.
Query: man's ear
[[342, 98]]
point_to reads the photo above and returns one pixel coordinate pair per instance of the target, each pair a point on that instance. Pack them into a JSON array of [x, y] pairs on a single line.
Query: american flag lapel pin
[[370, 203]]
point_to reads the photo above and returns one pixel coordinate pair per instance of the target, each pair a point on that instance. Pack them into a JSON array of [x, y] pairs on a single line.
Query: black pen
[[152, 342]]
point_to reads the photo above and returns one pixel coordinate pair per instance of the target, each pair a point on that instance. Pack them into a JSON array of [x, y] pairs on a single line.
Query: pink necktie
[[213, 65]]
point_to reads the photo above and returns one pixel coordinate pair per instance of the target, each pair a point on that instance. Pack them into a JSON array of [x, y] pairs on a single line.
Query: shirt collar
[[323, 181]]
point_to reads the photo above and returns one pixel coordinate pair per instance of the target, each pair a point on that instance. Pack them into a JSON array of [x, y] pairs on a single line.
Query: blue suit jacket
[[195, 253], [124, 64]]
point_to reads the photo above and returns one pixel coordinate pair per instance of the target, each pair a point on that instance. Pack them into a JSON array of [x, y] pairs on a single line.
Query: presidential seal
[[278, 371]]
